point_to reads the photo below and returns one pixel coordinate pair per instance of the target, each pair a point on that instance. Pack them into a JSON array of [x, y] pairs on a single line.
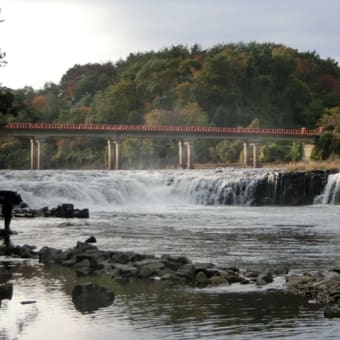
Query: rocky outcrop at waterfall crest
[[293, 188], [276, 188]]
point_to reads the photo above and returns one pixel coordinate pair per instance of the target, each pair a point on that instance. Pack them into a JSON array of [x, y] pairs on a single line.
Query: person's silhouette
[[7, 208]]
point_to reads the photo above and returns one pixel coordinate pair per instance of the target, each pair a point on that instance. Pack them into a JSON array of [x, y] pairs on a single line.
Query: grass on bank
[[292, 166], [313, 165]]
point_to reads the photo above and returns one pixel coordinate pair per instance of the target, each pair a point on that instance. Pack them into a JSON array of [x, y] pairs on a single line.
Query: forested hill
[[226, 85], [232, 84]]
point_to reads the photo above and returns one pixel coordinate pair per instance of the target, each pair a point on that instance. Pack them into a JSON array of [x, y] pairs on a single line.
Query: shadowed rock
[[89, 297]]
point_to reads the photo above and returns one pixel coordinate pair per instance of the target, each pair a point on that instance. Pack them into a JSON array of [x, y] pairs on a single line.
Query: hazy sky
[[44, 38]]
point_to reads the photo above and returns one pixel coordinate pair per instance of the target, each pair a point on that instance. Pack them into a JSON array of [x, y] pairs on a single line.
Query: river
[[172, 212]]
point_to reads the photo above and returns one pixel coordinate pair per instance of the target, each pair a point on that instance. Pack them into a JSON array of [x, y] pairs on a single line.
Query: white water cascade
[[104, 190], [110, 190], [331, 194]]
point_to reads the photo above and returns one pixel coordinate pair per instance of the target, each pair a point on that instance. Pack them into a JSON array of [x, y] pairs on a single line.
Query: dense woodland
[[263, 85]]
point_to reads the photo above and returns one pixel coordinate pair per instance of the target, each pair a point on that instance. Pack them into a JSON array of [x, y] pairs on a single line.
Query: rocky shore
[[86, 259]]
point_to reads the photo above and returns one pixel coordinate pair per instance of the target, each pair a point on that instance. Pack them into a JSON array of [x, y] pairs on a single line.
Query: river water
[[173, 212]]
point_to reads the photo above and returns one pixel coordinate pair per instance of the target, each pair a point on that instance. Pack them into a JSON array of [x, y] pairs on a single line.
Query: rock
[[150, 268], [25, 251], [178, 259], [204, 266], [156, 266], [211, 271], [297, 282], [120, 257], [167, 276], [174, 262], [332, 312], [93, 259], [217, 280], [252, 275], [83, 271], [91, 239], [264, 278], [145, 272], [85, 247], [125, 270], [232, 278], [89, 297], [336, 270], [187, 271], [331, 275], [82, 263], [282, 188], [134, 257], [147, 261], [201, 278], [50, 255], [81, 213]]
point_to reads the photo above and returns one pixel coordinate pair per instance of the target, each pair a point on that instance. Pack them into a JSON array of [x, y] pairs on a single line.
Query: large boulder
[[201, 278], [187, 271], [124, 270], [49, 255], [264, 278], [332, 312]]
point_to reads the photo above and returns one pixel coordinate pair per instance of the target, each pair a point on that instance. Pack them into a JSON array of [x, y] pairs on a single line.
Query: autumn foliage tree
[[225, 85]]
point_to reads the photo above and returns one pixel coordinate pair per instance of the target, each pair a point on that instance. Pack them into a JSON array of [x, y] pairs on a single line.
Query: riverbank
[[309, 166], [332, 165]]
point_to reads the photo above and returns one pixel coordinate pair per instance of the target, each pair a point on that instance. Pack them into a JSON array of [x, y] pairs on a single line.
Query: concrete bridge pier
[[188, 146], [33, 156], [251, 154], [246, 154], [256, 161], [37, 151], [306, 152], [180, 154], [113, 154]]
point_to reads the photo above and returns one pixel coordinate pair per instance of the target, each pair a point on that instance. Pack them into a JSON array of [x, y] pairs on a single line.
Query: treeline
[[266, 85]]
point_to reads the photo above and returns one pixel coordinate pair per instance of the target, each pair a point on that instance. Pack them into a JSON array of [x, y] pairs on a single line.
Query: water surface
[[140, 211]]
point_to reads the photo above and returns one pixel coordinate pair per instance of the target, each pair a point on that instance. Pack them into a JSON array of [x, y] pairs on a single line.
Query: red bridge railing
[[160, 129]]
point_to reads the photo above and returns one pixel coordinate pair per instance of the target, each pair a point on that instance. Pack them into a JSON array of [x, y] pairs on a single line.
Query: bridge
[[115, 134]]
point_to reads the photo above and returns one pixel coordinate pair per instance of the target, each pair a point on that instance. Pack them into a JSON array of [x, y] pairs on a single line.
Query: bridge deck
[[125, 131]]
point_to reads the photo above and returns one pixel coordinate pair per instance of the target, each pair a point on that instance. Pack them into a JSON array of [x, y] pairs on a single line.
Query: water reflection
[[151, 310], [89, 297]]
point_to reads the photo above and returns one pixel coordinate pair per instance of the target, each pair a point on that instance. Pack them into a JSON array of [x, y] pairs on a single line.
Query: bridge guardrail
[[161, 129]]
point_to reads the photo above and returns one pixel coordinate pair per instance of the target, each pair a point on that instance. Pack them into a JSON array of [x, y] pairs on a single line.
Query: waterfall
[[109, 190], [331, 193]]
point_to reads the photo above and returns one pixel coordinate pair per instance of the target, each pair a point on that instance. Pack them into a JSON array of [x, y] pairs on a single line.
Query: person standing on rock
[[7, 208]]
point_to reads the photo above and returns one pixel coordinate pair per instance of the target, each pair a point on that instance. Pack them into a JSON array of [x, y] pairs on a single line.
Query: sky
[[44, 38]]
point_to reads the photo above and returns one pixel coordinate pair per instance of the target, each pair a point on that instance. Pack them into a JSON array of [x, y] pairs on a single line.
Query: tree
[[331, 119], [3, 62], [229, 151], [117, 104], [6, 96], [190, 114]]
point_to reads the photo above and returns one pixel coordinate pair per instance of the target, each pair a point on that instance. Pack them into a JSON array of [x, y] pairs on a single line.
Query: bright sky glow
[[44, 38]]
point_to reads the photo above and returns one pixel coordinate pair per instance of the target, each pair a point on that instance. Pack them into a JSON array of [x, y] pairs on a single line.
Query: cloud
[[43, 38]]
